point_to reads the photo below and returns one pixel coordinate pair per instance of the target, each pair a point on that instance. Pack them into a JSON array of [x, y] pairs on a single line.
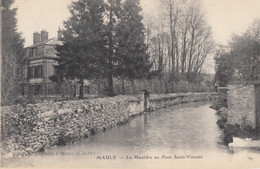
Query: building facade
[[40, 62]]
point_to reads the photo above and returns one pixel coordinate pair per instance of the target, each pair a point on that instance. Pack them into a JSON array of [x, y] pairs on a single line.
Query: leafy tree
[[242, 61], [224, 68], [114, 12], [12, 52], [245, 53], [83, 54], [131, 60], [96, 47]]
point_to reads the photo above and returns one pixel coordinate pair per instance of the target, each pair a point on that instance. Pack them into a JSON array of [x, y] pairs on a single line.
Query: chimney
[[36, 37], [59, 34], [44, 35]]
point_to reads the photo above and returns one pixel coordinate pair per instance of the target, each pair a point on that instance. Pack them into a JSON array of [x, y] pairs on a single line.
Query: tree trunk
[[184, 53], [123, 85], [172, 40], [190, 57], [110, 64], [81, 89]]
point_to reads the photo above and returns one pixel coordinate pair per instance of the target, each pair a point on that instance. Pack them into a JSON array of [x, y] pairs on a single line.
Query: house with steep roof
[[40, 62]]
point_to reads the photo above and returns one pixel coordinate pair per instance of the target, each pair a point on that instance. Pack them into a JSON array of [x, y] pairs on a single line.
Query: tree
[[84, 51], [197, 40], [242, 61], [224, 68], [159, 45], [12, 52], [245, 52], [111, 7], [190, 39], [132, 60]]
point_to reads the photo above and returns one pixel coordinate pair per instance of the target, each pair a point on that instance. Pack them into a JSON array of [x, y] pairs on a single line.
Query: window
[[36, 89], [24, 72], [30, 72], [35, 71], [31, 52]]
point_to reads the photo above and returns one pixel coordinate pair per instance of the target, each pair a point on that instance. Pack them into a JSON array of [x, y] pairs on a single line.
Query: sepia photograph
[[137, 84]]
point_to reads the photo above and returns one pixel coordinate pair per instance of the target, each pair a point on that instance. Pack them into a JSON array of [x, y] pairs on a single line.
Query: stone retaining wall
[[166, 100], [34, 127], [241, 105]]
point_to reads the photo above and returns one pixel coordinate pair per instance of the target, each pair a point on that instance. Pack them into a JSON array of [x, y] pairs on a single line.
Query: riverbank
[[33, 128], [184, 129], [231, 131]]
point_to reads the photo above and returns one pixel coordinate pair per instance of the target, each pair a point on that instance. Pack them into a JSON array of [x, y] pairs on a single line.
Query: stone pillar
[[146, 100], [81, 89]]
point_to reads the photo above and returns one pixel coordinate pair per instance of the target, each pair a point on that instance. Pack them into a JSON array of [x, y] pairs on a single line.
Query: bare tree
[[195, 39], [158, 45], [172, 10], [185, 41]]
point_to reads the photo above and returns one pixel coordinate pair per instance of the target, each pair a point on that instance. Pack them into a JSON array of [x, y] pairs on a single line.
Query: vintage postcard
[[130, 84]]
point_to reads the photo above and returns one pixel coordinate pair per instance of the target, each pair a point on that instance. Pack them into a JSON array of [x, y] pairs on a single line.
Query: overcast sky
[[224, 16]]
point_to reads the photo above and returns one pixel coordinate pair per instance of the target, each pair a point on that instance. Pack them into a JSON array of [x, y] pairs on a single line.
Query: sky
[[226, 17]]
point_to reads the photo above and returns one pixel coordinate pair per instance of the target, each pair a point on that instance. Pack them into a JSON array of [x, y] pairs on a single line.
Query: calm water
[[175, 132]]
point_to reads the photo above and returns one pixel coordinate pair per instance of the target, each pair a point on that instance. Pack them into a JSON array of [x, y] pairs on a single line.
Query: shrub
[[156, 86], [234, 130], [62, 140], [230, 131], [222, 122]]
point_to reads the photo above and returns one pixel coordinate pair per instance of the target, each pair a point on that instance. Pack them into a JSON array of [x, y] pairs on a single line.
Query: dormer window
[[31, 52]]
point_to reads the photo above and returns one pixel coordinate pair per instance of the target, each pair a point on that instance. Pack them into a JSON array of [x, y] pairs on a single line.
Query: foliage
[[83, 53], [224, 69], [229, 132], [131, 58], [234, 130], [156, 86], [223, 118], [12, 52], [242, 59], [97, 47], [84, 39], [245, 51]]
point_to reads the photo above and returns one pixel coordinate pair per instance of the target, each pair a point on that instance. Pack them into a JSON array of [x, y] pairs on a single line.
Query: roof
[[51, 41]]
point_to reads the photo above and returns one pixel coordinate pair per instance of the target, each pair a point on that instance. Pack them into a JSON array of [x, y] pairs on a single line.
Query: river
[[185, 135]]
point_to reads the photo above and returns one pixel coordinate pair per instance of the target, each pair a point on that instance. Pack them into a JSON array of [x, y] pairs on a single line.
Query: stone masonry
[[34, 127], [241, 105]]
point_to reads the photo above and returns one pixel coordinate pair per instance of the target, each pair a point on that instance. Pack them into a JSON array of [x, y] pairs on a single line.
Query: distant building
[[40, 65]]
